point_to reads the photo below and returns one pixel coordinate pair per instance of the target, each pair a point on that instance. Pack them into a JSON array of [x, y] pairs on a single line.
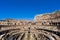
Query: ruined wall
[[48, 18]]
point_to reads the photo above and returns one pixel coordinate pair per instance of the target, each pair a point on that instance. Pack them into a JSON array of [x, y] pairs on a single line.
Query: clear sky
[[26, 9]]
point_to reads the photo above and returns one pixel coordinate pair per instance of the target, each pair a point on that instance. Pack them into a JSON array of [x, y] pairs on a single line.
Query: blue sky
[[26, 9]]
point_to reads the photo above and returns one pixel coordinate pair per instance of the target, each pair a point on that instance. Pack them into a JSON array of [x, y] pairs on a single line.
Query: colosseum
[[42, 27]]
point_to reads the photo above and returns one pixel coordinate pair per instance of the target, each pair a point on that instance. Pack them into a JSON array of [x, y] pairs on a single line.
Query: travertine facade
[[46, 19]]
